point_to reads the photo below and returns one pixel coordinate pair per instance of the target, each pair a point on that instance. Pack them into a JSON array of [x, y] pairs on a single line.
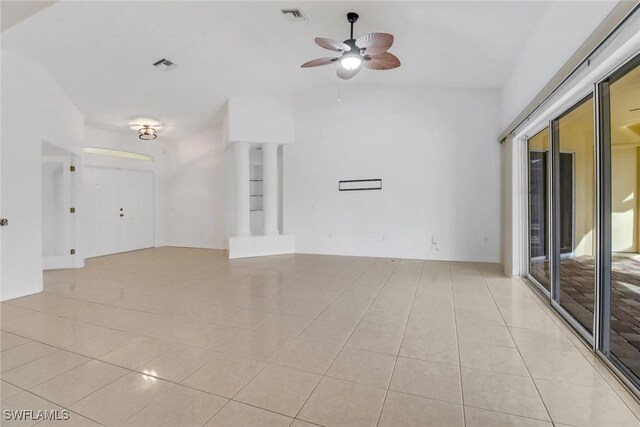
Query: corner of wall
[[34, 108]]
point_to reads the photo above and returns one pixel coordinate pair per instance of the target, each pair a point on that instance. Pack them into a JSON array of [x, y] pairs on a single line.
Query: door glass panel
[[538, 147], [625, 218], [576, 205]]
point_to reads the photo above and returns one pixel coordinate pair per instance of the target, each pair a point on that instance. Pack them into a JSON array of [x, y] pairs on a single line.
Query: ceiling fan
[[368, 50]]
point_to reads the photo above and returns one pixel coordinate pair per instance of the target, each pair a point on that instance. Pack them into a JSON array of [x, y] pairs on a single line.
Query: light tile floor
[[185, 337]]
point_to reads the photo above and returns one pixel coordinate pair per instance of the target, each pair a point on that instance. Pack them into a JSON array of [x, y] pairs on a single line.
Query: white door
[[135, 207], [118, 211], [100, 217], [56, 212]]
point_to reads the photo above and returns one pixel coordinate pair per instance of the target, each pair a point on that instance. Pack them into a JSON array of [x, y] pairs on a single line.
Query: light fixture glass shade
[[147, 133], [350, 62]]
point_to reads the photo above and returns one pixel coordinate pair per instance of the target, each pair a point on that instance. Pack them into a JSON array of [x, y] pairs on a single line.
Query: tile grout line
[[171, 388], [261, 370], [105, 385], [138, 334], [455, 322], [285, 269], [350, 334], [335, 273], [544, 404], [52, 402], [395, 362], [109, 302], [355, 280], [129, 370], [268, 363], [276, 355], [566, 329]]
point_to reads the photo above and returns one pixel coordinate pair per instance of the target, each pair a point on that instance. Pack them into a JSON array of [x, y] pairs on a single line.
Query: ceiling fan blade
[[345, 74], [318, 62], [384, 61], [375, 43], [332, 45]]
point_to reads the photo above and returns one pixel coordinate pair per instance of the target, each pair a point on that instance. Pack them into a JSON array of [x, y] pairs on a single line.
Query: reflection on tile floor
[[186, 337], [577, 296]]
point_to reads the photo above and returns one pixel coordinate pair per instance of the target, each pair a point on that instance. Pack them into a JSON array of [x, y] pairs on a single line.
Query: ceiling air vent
[[165, 64], [294, 14]]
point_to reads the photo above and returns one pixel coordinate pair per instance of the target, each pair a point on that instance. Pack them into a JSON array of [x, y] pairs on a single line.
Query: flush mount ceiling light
[[147, 133], [369, 50], [147, 128]]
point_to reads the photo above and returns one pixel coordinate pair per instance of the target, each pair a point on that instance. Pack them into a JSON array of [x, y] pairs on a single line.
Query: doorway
[[539, 207], [620, 266], [58, 207], [575, 194], [119, 214]]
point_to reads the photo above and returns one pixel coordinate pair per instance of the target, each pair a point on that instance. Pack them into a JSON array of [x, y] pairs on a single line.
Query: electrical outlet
[[434, 243]]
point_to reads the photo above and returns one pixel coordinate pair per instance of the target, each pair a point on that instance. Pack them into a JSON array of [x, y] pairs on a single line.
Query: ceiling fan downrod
[[352, 17]]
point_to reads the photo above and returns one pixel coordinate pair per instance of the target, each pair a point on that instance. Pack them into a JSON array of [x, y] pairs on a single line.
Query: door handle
[[121, 215], [4, 222]]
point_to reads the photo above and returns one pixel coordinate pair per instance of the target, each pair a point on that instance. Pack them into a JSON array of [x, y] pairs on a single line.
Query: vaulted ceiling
[[101, 52]]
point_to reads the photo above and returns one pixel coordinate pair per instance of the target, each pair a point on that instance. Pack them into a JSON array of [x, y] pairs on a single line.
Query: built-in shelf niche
[[255, 188]]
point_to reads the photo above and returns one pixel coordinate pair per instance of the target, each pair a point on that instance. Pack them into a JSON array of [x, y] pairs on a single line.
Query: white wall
[[34, 108], [260, 119], [545, 53], [436, 152], [195, 191]]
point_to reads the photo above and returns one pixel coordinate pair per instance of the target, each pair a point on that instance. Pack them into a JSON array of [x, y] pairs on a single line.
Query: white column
[[243, 223], [270, 189]]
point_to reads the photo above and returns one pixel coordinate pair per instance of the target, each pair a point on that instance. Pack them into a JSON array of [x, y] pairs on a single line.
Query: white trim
[[117, 153]]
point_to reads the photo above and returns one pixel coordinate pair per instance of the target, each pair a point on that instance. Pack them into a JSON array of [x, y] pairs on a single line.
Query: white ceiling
[[14, 11], [102, 52]]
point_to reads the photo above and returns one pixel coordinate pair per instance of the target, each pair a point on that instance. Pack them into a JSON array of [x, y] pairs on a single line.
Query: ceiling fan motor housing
[[352, 44]]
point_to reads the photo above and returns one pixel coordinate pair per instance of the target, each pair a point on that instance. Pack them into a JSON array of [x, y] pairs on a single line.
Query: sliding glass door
[[619, 116], [573, 136], [539, 202], [584, 217]]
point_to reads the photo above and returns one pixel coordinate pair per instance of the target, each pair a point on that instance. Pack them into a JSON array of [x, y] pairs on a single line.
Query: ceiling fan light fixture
[[369, 50], [351, 62], [147, 133]]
